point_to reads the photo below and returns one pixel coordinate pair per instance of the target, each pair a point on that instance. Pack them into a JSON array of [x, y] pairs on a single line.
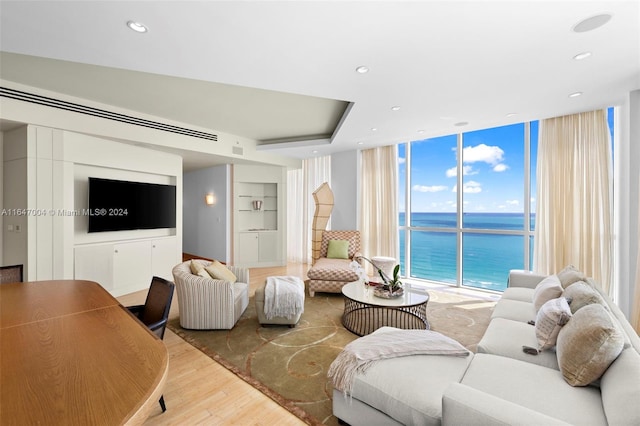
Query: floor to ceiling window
[[471, 206]]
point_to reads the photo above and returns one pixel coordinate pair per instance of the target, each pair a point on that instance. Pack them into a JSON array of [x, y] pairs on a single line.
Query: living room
[[48, 151]]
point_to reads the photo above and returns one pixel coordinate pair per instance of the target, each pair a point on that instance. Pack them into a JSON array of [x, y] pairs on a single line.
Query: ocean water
[[486, 258]]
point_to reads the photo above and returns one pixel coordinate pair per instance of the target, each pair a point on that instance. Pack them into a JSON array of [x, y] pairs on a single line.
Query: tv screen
[[116, 205]]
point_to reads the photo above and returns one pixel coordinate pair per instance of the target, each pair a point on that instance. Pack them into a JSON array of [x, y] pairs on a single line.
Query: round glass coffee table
[[364, 313]]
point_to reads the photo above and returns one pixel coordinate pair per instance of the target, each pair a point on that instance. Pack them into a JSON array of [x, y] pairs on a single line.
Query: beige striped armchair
[[329, 275], [208, 304]]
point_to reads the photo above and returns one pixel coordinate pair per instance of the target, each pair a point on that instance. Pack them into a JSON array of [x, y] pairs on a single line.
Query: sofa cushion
[[514, 310], [588, 344], [417, 397], [547, 289], [218, 271], [338, 249], [620, 389], [332, 270], [569, 275], [522, 294], [535, 387], [507, 337], [551, 317], [582, 294]]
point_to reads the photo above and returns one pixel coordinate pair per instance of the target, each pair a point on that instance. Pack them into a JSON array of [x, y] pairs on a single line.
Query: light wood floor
[[199, 391]]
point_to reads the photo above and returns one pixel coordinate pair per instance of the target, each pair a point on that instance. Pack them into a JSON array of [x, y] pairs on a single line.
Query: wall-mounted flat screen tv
[[116, 205]]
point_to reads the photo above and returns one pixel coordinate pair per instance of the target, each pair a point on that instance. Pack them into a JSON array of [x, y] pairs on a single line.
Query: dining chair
[[11, 274], [155, 311]]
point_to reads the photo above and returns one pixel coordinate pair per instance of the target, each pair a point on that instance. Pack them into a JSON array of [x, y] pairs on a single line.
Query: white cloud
[[433, 188], [484, 153], [466, 170], [513, 202], [500, 167], [471, 187], [401, 160]]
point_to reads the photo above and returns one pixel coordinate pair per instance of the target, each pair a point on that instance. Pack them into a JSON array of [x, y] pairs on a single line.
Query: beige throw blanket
[[283, 297], [363, 352]]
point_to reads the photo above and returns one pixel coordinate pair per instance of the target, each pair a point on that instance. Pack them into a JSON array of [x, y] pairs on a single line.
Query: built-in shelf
[[259, 225], [249, 217]]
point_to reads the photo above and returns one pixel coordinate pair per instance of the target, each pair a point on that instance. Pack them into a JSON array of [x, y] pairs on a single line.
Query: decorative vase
[[385, 292]]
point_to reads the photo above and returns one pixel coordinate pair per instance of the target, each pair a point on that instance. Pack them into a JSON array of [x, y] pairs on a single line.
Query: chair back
[[158, 303], [352, 236], [10, 274]]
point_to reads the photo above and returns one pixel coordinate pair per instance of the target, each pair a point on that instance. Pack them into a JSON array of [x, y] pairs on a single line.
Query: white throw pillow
[[552, 316], [549, 288], [569, 275]]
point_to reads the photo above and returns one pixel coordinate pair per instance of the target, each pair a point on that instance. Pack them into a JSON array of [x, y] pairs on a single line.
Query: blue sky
[[493, 171]]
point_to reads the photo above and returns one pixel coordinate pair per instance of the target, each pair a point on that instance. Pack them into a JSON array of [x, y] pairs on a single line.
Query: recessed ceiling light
[[362, 69], [420, 131], [582, 55], [395, 108], [592, 23], [461, 123], [575, 94], [373, 129], [315, 151], [360, 143], [511, 114], [137, 27]]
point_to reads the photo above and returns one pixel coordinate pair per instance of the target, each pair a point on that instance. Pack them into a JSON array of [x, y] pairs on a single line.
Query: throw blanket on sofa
[[363, 352], [283, 297]]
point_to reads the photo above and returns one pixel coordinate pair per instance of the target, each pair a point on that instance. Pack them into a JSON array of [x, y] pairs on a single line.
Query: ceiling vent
[[101, 113]]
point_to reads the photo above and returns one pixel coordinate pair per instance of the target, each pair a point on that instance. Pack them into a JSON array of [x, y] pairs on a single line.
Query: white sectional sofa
[[501, 383]]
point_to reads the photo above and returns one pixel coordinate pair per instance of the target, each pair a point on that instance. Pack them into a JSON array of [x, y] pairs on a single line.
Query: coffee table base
[[362, 318]]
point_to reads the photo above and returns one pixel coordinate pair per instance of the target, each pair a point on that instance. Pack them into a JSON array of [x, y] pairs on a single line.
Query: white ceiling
[[285, 70]]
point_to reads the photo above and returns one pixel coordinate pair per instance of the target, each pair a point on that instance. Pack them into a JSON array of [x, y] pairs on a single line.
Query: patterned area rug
[[290, 364]]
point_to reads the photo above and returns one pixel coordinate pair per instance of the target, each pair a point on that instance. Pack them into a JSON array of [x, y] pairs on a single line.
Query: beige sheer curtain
[[574, 196], [300, 205], [379, 202]]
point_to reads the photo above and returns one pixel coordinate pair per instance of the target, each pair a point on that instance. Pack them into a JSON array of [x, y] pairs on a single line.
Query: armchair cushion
[[338, 249], [218, 271], [332, 270], [197, 268]]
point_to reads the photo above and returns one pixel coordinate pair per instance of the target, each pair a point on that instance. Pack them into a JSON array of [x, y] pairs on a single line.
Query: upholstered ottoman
[[294, 285]]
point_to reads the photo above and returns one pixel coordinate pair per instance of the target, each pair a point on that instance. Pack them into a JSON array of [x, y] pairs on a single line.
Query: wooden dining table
[[71, 354]]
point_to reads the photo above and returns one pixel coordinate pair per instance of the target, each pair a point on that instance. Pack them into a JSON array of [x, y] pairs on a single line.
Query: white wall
[[345, 184], [206, 228], [627, 197], [14, 243], [1, 194]]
